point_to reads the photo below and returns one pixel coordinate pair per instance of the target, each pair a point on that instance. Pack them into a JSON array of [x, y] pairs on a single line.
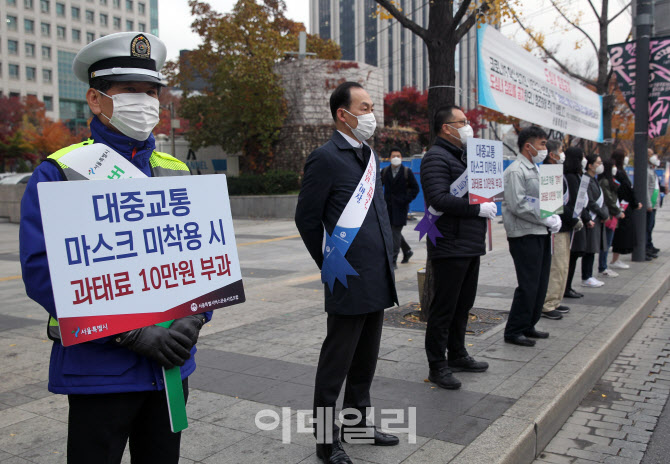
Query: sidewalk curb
[[524, 430]]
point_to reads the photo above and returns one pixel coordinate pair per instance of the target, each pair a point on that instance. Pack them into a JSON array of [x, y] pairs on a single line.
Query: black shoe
[[570, 293], [652, 253], [562, 309], [406, 257], [332, 453], [468, 364], [648, 258], [655, 250], [380, 438], [555, 315], [532, 333], [444, 378], [520, 340]]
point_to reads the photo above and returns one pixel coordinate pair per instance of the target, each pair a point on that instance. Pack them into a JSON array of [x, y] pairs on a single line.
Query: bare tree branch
[[402, 19], [595, 12], [617, 15], [472, 19], [461, 11], [574, 24], [552, 56]]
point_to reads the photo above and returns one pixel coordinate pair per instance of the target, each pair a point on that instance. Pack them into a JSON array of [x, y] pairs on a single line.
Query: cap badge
[[140, 47]]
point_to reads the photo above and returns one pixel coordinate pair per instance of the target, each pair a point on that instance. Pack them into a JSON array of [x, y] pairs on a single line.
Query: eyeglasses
[[465, 122]]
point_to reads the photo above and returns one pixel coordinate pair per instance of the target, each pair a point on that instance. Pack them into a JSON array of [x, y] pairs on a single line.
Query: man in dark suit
[[400, 188], [355, 311]]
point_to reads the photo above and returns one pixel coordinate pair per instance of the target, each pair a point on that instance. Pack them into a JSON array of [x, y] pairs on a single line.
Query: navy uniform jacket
[[96, 366], [332, 172], [399, 192]]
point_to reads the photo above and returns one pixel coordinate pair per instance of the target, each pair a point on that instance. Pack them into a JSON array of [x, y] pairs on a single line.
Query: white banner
[[136, 252], [514, 82], [485, 171], [551, 189]]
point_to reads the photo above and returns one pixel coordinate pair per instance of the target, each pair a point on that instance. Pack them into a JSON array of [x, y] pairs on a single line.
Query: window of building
[[103, 2], [90, 17], [76, 35], [103, 19], [116, 3], [46, 52], [14, 94], [30, 73], [46, 29], [28, 4], [44, 6], [30, 50], [75, 12], [46, 75], [117, 23], [11, 23], [141, 8], [129, 5], [129, 25], [13, 47], [90, 37], [13, 71], [11, 2], [60, 10], [29, 26], [324, 19], [141, 27], [60, 32], [48, 103]]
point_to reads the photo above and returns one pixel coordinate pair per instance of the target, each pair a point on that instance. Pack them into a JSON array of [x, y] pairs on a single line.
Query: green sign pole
[[174, 391]]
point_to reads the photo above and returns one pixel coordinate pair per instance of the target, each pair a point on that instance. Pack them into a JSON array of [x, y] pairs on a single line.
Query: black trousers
[[532, 262], [399, 242], [651, 222], [574, 256], [587, 265], [455, 286], [99, 426], [349, 351]]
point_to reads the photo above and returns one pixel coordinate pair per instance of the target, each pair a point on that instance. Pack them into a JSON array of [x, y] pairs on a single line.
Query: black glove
[[189, 326], [167, 347]]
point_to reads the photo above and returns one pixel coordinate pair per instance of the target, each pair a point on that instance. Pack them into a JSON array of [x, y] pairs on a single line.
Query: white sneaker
[[592, 282], [609, 273], [619, 265]]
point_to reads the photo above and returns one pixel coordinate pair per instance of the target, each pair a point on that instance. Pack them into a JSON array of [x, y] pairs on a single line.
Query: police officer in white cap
[[115, 384]]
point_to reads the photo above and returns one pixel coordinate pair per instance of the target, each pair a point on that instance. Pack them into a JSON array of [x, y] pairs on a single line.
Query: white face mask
[[134, 115], [465, 133], [614, 170], [583, 163], [653, 160], [600, 169], [365, 128], [561, 158], [626, 160], [396, 161], [540, 156]]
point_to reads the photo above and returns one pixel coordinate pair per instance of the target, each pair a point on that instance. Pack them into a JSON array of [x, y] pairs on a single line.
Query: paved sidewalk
[[615, 421], [261, 355]]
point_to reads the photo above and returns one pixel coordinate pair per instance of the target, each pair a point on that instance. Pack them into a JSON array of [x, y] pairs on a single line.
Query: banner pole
[[490, 235]]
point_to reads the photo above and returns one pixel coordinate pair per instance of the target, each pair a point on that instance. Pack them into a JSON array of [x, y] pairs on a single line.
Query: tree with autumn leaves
[[243, 107], [27, 136]]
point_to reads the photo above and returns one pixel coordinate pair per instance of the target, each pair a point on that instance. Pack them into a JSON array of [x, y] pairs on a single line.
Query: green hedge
[[270, 183]]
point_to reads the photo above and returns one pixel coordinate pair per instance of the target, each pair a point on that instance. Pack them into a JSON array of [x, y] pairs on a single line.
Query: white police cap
[[122, 57]]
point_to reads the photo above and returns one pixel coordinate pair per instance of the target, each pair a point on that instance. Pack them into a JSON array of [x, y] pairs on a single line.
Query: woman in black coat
[[598, 215], [624, 239], [572, 169]]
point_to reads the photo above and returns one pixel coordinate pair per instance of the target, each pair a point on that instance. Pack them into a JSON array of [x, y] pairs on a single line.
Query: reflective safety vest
[[162, 165]]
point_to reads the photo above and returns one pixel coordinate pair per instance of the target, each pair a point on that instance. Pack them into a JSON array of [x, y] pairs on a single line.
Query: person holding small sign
[[456, 250], [114, 384], [528, 237], [598, 212]]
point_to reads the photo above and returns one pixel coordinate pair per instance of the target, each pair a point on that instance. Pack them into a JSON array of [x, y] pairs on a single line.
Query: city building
[[40, 38], [367, 38]]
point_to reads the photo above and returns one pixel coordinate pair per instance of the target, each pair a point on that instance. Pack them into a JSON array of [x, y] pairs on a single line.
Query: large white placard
[[135, 252], [514, 82], [551, 189]]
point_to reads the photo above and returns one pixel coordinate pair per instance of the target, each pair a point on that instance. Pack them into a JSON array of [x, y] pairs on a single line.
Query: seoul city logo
[[343, 234], [327, 249], [194, 307], [91, 171]]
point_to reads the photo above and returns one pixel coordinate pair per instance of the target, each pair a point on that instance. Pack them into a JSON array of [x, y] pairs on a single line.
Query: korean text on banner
[[485, 171], [551, 189], [512, 81], [136, 252]]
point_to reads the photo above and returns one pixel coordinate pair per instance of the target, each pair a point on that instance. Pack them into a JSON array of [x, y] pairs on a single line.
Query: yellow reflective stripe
[[64, 151], [163, 160], [53, 322]]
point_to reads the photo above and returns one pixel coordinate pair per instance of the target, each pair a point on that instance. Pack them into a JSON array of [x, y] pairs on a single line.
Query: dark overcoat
[[332, 172], [399, 191]]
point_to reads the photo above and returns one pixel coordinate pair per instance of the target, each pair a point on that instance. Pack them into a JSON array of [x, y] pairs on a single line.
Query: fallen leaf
[[13, 344], [469, 344], [409, 339]]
